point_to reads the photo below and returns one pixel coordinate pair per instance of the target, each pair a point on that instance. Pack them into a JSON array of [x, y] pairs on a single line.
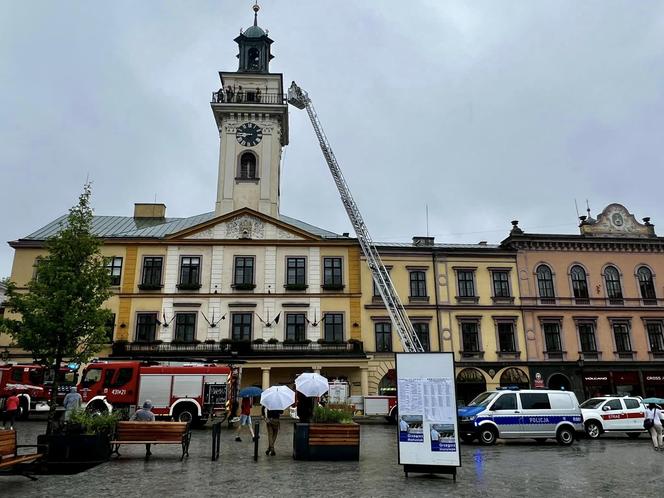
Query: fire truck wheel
[[97, 408], [186, 413], [23, 409]]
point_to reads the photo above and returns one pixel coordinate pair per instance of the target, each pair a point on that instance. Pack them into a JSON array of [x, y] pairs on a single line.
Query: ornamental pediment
[[616, 221], [245, 226]]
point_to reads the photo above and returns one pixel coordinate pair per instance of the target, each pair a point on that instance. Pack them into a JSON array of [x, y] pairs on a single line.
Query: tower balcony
[[248, 97]]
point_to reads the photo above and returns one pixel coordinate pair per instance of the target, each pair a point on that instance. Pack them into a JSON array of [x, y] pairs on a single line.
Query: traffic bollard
[[257, 429]]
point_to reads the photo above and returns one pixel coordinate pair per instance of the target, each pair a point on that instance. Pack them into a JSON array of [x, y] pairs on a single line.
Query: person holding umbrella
[[309, 385], [275, 400], [245, 410]]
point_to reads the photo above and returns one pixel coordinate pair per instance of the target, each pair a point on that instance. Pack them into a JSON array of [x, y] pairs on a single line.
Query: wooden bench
[[149, 433], [9, 459], [326, 441]]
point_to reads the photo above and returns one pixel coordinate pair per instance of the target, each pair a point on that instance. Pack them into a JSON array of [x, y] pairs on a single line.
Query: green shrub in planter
[[97, 423], [259, 341], [323, 415], [273, 340]]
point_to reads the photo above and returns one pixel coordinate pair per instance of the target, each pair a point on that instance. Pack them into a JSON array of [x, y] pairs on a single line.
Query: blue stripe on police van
[[529, 419]]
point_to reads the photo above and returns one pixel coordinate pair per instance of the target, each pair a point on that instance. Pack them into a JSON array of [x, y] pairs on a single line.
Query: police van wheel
[[488, 436], [565, 436], [593, 429]]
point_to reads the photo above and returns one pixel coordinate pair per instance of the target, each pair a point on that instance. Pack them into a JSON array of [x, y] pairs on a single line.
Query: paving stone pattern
[[612, 466]]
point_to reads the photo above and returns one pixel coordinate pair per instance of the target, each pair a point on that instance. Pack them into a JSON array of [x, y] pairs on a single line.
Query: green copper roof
[[254, 32], [150, 228]]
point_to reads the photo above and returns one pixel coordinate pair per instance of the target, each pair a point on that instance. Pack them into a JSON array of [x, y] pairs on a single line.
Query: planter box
[[72, 453], [326, 441]]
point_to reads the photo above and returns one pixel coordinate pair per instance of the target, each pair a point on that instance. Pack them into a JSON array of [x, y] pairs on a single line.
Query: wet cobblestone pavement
[[613, 466]]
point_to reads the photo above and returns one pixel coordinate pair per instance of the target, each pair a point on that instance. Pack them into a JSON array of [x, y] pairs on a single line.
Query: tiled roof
[[410, 245], [129, 227]]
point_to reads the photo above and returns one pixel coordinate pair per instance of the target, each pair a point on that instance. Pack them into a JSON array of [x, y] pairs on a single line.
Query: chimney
[[149, 210], [423, 241]]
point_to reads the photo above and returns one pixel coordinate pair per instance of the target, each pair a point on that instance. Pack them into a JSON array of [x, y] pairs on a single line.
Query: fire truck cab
[[188, 393]]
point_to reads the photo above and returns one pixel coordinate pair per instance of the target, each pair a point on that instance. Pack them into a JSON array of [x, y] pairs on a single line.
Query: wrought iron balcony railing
[[237, 349]]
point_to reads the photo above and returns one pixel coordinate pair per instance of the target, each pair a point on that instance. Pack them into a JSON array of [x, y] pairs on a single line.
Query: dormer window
[[247, 168]]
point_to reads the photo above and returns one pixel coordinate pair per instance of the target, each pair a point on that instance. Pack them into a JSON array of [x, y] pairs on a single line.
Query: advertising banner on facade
[[426, 401]]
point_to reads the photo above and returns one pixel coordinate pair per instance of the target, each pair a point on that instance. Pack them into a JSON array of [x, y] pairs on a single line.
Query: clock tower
[[251, 113]]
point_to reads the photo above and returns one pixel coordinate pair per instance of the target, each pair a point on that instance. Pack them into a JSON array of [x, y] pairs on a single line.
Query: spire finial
[[256, 8]]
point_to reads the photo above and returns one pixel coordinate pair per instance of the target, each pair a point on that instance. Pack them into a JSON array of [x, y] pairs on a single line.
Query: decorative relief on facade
[[245, 227], [616, 221]]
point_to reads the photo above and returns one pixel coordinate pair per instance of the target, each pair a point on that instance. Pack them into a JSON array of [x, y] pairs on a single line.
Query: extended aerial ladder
[[400, 321]]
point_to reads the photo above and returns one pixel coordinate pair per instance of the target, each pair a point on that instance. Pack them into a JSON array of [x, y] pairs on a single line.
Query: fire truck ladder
[[411, 343]]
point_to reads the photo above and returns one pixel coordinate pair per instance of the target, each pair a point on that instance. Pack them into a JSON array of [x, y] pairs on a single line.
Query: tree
[[61, 314]]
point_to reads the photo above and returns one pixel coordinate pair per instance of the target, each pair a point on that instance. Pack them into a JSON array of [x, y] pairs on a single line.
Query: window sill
[[424, 299], [296, 287], [656, 355], [547, 300], [581, 301], [188, 286], [509, 354], [246, 180], [148, 287], [555, 355], [243, 287], [624, 355], [616, 302], [502, 300], [590, 355], [472, 354], [333, 287], [649, 302], [467, 299]]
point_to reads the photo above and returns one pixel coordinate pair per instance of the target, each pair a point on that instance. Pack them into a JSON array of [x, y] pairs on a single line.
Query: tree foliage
[[62, 314]]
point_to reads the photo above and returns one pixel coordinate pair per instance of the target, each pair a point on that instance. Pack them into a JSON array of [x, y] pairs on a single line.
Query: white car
[[613, 414]]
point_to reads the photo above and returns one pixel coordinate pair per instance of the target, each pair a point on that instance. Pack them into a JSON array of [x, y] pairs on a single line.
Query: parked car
[[512, 413], [613, 414]]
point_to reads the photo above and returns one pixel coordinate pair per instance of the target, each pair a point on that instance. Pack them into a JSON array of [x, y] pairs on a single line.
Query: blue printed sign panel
[[444, 445], [412, 436]]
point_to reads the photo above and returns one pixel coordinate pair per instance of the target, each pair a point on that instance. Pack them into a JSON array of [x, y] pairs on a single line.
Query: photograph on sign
[[411, 429]]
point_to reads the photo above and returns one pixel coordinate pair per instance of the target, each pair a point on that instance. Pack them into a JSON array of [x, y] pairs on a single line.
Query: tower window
[[247, 169], [253, 58]]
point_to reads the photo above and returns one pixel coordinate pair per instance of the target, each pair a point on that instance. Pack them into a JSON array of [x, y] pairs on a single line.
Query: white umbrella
[[311, 384], [277, 397]]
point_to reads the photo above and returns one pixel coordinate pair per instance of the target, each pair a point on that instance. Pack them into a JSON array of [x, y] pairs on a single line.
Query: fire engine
[[33, 387], [187, 393]]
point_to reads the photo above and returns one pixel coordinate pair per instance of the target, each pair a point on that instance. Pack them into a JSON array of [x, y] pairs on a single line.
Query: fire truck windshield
[[91, 376]]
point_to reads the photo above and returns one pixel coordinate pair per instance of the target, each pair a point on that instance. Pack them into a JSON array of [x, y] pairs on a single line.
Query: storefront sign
[[428, 432], [538, 383]]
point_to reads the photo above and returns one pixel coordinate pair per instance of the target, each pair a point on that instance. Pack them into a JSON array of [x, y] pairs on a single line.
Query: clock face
[[249, 134]]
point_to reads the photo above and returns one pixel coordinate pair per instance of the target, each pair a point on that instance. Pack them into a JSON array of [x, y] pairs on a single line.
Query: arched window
[[545, 282], [613, 289], [247, 166], [646, 284], [514, 377], [388, 384], [579, 283], [470, 383]]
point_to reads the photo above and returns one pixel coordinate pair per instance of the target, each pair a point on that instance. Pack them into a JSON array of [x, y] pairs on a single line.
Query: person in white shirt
[[655, 414], [403, 425]]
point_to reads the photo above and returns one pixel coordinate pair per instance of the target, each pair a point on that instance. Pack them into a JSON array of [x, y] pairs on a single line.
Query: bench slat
[[10, 462]]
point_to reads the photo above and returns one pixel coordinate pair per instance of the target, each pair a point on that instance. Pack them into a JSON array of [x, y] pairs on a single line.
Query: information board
[[427, 421]]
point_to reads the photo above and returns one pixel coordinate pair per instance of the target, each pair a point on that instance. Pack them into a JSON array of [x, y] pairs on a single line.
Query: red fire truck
[[188, 393], [32, 385]]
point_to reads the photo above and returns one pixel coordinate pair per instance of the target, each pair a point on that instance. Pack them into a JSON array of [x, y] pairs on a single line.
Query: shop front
[[654, 384], [596, 384], [619, 383]]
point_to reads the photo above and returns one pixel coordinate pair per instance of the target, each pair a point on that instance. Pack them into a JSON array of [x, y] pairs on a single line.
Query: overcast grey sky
[[486, 111]]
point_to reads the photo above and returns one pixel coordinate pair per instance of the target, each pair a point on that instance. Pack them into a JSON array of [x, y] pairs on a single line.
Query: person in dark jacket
[[272, 423], [305, 407]]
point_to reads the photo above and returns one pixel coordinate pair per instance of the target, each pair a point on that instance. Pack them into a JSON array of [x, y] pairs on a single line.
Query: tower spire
[[256, 8]]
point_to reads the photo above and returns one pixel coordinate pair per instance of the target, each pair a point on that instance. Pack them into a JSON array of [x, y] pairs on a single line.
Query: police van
[[514, 413]]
